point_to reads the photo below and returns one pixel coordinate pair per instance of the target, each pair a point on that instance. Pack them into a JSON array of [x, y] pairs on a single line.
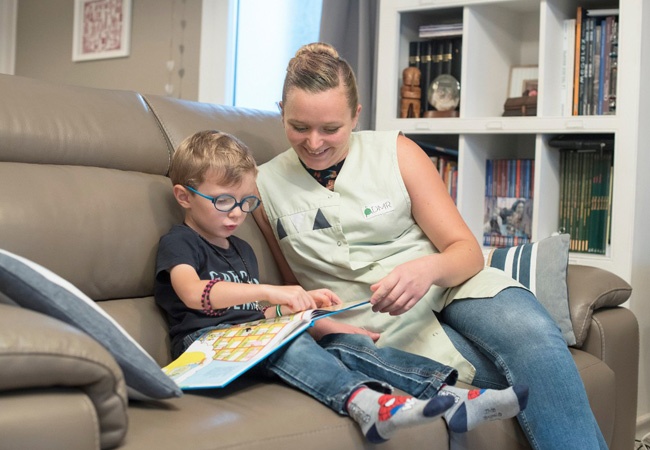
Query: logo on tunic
[[377, 209]]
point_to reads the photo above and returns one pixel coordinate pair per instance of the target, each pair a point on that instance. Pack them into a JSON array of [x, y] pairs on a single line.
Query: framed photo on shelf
[[101, 29], [523, 80]]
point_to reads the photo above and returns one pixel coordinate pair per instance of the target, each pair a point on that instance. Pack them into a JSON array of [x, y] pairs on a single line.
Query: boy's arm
[[189, 287]]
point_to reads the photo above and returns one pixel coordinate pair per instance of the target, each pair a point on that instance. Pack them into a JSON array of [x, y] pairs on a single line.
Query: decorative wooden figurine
[[411, 93]]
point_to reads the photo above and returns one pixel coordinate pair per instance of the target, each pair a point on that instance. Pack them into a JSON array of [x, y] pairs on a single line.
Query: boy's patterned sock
[[379, 415], [476, 406]]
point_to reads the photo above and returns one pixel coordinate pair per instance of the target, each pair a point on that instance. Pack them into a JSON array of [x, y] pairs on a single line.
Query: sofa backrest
[[83, 185]]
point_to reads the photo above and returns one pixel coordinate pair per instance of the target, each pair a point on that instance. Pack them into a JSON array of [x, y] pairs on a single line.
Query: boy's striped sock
[[379, 415]]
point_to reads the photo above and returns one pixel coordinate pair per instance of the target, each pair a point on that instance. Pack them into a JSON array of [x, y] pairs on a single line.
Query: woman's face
[[318, 125]]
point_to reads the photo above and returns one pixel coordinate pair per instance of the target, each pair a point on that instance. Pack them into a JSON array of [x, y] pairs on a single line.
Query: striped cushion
[[541, 267]]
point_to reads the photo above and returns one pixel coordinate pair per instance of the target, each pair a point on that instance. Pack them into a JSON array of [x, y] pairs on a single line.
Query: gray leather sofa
[[84, 193]]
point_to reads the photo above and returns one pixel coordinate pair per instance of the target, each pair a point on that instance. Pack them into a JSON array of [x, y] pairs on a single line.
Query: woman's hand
[[403, 287], [323, 327]]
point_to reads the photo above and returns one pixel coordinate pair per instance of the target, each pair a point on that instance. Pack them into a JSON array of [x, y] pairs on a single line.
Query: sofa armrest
[[38, 352], [592, 288], [614, 338]]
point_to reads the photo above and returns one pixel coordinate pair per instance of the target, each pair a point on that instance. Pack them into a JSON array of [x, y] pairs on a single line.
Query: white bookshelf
[[496, 36]]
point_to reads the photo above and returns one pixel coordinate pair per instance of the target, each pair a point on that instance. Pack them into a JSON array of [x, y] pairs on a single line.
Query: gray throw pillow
[[541, 267], [31, 286]]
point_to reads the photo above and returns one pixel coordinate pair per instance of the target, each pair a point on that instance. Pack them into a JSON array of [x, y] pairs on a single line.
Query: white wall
[[217, 51], [44, 34]]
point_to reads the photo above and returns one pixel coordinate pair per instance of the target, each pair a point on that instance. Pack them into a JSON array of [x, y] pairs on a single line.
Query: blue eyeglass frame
[[240, 203]]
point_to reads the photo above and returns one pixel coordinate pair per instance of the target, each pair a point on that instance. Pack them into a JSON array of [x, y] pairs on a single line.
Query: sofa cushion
[[32, 286], [541, 267], [59, 381]]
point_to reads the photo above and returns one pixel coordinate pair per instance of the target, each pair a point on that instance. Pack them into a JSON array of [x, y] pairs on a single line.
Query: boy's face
[[201, 215]]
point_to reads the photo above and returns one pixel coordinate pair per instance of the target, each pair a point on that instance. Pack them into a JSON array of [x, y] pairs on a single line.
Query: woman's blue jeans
[[511, 339], [331, 369]]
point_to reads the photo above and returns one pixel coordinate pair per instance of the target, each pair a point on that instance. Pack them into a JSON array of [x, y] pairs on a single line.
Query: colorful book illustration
[[219, 356]]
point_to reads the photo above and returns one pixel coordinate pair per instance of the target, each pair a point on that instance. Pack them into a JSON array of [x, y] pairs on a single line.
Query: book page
[[221, 355]]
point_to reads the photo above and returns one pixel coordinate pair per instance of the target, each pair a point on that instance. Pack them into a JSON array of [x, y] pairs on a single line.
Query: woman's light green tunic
[[350, 238]]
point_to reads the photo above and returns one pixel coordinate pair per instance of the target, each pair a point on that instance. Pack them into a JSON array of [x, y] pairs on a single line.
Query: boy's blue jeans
[[331, 369]]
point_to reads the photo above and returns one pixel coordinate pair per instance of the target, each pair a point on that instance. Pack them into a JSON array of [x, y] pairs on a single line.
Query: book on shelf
[[508, 209], [595, 56], [221, 355], [568, 64], [509, 177], [586, 163], [447, 56], [448, 169], [599, 12], [426, 70], [437, 50], [441, 30], [456, 57], [414, 54], [577, 57]]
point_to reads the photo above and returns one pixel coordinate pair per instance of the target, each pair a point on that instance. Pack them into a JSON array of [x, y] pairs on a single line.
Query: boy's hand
[[323, 327], [324, 298], [294, 298]]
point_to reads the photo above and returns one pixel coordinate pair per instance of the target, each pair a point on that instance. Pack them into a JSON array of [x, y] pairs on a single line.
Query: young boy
[[206, 278]]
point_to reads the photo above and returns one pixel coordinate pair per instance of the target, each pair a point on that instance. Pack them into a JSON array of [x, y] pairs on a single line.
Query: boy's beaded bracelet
[[205, 299]]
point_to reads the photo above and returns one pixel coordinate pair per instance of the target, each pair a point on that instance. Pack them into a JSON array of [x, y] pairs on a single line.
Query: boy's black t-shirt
[[183, 245]]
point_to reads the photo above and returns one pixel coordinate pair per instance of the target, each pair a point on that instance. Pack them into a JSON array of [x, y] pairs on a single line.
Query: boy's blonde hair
[[228, 157], [317, 67]]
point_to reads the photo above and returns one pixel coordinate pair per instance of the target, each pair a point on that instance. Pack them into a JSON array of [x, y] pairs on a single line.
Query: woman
[[366, 214]]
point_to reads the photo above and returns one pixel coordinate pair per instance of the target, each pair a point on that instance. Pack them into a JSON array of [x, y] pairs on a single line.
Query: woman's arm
[[460, 255]]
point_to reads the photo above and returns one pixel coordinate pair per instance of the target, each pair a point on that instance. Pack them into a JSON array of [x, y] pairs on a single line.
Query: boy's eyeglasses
[[226, 202]]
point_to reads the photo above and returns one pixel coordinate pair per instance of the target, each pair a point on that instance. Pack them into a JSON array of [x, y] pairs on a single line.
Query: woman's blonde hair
[[317, 67], [228, 157]]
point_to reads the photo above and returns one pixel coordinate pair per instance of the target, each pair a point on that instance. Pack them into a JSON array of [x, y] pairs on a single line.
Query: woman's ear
[[355, 118], [182, 195]]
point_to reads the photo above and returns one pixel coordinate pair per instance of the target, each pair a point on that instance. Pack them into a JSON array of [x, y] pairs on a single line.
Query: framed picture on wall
[[102, 29]]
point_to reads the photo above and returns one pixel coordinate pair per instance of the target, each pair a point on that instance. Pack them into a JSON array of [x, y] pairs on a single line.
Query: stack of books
[[508, 214], [586, 164], [590, 63]]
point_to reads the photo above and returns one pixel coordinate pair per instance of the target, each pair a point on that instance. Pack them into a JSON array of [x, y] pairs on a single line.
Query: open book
[[219, 356]]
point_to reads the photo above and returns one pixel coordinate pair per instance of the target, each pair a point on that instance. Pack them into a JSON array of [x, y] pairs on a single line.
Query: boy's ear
[[182, 195]]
